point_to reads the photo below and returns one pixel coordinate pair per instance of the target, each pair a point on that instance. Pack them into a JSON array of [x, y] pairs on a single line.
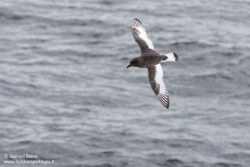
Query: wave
[[8, 15], [172, 161], [192, 43], [224, 164], [216, 75]]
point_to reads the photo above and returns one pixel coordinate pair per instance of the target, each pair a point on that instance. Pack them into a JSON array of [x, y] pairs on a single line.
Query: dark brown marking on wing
[[137, 23], [162, 102], [164, 99], [151, 76], [142, 44]]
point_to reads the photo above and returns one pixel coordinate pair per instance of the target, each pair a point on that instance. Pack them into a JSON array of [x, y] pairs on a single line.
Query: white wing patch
[[159, 78], [143, 35], [163, 96]]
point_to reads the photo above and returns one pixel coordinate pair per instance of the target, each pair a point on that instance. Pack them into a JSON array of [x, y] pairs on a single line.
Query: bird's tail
[[169, 57]]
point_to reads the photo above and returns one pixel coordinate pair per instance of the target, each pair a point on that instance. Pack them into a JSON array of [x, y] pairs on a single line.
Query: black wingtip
[[167, 106], [136, 19], [175, 56]]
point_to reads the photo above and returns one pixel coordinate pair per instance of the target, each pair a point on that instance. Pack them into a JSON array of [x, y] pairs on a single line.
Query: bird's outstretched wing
[[155, 75], [140, 36]]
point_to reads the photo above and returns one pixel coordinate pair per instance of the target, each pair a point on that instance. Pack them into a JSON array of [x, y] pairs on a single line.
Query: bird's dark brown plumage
[[151, 60]]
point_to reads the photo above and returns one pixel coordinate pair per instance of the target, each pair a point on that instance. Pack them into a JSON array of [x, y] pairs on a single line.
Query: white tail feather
[[171, 57]]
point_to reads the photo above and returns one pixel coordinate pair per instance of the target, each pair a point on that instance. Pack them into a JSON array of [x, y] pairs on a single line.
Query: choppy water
[[67, 95]]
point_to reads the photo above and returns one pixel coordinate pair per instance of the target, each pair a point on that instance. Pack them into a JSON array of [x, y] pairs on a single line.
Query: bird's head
[[134, 62]]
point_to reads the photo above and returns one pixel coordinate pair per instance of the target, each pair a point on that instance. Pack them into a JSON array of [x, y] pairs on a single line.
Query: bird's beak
[[128, 66]]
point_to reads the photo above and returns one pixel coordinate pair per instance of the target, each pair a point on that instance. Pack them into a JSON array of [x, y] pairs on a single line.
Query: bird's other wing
[[155, 75], [140, 35]]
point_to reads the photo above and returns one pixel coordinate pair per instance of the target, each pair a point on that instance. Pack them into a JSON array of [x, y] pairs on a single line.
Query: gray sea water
[[66, 94]]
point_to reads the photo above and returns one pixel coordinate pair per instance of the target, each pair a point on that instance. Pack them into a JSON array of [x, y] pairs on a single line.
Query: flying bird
[[151, 60]]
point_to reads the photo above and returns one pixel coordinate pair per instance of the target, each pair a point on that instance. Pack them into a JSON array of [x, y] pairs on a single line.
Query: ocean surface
[[67, 96]]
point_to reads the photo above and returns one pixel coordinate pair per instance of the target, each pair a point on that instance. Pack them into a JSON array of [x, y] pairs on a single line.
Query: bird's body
[[151, 60]]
